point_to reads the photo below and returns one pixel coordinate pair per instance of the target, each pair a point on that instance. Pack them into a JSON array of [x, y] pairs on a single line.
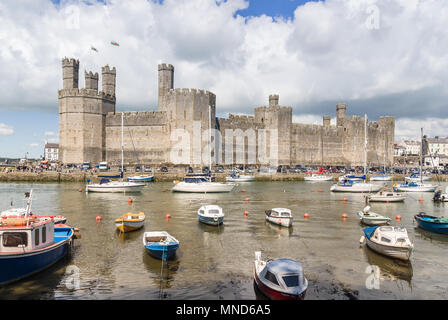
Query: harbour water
[[217, 262]]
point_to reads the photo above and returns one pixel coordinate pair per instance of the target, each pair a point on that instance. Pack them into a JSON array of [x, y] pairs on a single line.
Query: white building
[[51, 152], [399, 150], [435, 161], [411, 147], [438, 146]]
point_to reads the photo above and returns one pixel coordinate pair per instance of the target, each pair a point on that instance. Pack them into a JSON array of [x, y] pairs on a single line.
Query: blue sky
[[318, 54]]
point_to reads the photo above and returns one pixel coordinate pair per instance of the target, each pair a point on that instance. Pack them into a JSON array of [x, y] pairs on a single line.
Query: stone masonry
[[90, 127]]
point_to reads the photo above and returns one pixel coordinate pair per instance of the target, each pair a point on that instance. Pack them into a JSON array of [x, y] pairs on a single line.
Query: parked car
[[220, 170], [103, 166], [148, 169], [86, 166], [205, 170], [163, 169]]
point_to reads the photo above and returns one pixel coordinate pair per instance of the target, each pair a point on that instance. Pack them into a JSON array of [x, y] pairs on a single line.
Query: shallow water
[[217, 262]]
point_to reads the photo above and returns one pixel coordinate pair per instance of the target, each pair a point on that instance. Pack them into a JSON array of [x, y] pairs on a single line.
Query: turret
[[327, 121], [108, 80], [341, 109], [273, 100], [70, 73], [91, 80], [166, 82]]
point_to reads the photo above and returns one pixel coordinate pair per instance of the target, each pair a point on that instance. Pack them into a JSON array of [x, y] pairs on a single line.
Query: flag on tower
[[94, 49], [114, 43]]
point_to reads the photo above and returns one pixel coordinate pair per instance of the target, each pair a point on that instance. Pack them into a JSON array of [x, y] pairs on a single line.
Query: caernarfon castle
[[90, 129]]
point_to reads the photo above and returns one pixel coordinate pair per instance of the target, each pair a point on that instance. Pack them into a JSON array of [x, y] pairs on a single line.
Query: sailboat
[[417, 186], [319, 176], [203, 183], [362, 186], [108, 186]]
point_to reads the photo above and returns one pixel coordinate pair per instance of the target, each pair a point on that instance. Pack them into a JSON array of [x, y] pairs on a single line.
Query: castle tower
[[70, 73], [91, 80], [341, 109], [327, 121], [166, 82], [273, 100], [108, 80]]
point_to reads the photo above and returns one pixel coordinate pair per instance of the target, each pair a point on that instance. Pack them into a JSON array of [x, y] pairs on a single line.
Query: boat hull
[[380, 178], [162, 252], [128, 226], [283, 222], [138, 179], [393, 252], [115, 189], [15, 267], [356, 188], [213, 221], [206, 187], [318, 178], [441, 228], [374, 198], [415, 189]]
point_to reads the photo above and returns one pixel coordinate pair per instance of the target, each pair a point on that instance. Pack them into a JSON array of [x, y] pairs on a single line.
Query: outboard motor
[[437, 195]]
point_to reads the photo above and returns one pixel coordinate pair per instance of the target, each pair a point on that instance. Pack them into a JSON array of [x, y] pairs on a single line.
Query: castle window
[[185, 114]]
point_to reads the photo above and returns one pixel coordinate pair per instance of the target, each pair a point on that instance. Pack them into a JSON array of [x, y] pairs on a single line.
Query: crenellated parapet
[[165, 66], [190, 92], [141, 118], [85, 93]]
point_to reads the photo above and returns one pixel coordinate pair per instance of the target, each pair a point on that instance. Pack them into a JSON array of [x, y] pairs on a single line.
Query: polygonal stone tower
[[166, 83], [108, 80], [70, 73]]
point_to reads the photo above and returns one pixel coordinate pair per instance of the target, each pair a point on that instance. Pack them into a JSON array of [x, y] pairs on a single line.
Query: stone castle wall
[[90, 129]]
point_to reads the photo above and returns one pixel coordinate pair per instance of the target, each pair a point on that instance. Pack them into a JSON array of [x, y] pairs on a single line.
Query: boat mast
[[210, 141], [28, 207], [122, 144], [365, 145], [421, 156]]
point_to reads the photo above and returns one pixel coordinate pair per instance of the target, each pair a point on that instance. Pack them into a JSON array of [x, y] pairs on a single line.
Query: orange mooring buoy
[[421, 199], [164, 190], [306, 215], [98, 218], [243, 190], [130, 200], [246, 213], [345, 199], [344, 216], [398, 217], [247, 199], [168, 216], [320, 190]]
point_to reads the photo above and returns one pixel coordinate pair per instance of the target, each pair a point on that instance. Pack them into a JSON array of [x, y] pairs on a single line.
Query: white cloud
[[6, 130], [326, 53], [33, 145], [50, 133], [406, 128]]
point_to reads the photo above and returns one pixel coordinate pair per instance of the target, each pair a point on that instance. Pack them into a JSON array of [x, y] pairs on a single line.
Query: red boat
[[280, 279]]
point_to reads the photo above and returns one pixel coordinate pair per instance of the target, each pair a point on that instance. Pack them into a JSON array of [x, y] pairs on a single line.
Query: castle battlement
[[69, 62], [86, 93], [164, 66], [193, 92], [90, 74], [139, 118], [107, 69]]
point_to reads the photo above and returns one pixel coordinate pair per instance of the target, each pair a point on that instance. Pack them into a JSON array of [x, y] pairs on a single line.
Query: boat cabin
[[21, 238], [285, 275], [211, 210], [279, 213], [392, 236]]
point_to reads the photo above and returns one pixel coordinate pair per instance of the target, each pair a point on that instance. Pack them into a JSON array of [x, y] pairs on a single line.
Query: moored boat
[[141, 178], [280, 279], [130, 222], [29, 246], [211, 214], [21, 212], [415, 187], [389, 241], [160, 244], [318, 177], [440, 196], [107, 186], [280, 216], [201, 184], [236, 177], [355, 187], [381, 177], [351, 177], [371, 218], [431, 223], [387, 196]]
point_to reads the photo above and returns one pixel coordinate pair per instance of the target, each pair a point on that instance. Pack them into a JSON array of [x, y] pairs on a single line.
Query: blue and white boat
[[30, 245], [416, 177], [160, 244], [355, 186], [350, 177], [211, 214], [381, 177], [431, 223], [415, 187], [142, 178]]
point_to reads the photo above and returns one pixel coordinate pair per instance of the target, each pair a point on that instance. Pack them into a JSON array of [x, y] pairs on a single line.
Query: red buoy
[[243, 190], [345, 199], [344, 216], [168, 216], [320, 190], [164, 190], [306, 215], [130, 200], [246, 213], [98, 218], [247, 199], [398, 217]]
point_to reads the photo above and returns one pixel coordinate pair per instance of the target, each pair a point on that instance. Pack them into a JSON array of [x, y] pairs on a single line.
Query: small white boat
[[387, 196], [107, 186], [356, 187], [318, 177], [201, 184], [142, 178], [280, 279], [415, 187], [371, 218], [130, 222], [280, 216], [235, 177], [211, 214], [417, 178], [350, 177], [390, 241]]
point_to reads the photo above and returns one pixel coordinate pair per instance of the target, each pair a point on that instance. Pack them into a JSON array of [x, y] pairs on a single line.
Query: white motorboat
[[201, 184], [417, 178], [359, 187], [236, 177], [280, 279], [350, 177], [390, 241], [108, 186], [142, 178], [211, 214], [371, 218], [280, 216], [318, 177], [415, 187], [387, 196]]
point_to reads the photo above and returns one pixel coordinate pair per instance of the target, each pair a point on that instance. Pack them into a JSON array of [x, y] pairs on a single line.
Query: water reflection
[[431, 236], [277, 230], [162, 273], [391, 269]]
